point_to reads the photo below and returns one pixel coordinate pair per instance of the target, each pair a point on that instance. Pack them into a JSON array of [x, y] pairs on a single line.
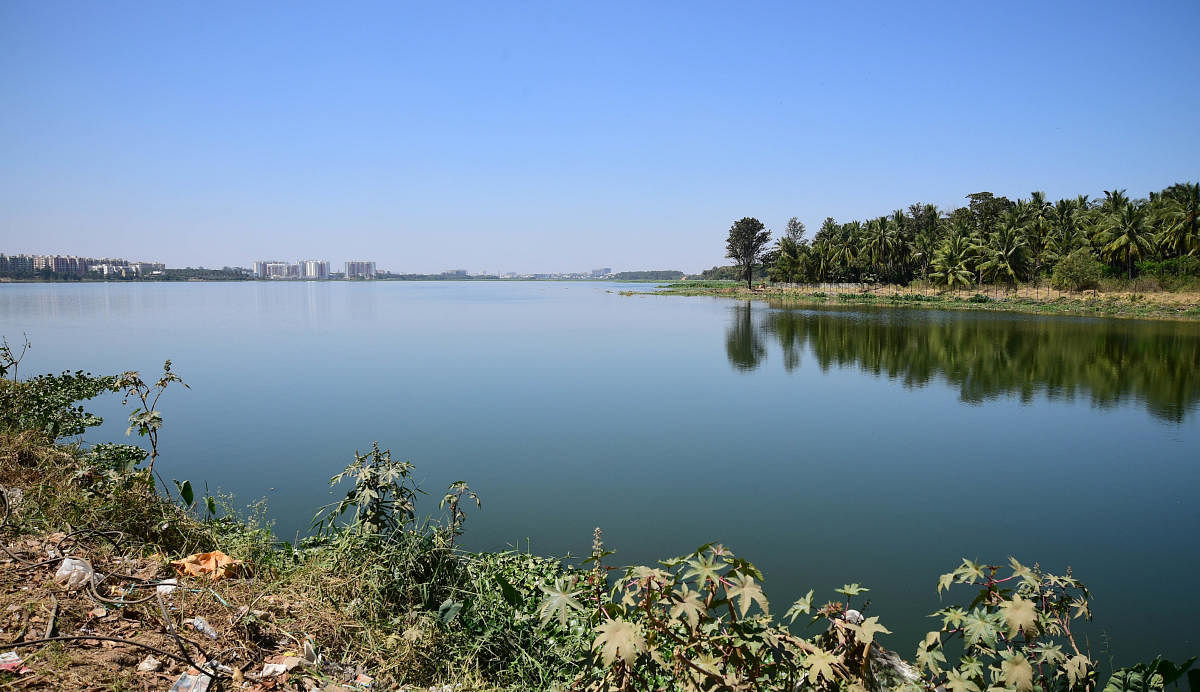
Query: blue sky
[[560, 135]]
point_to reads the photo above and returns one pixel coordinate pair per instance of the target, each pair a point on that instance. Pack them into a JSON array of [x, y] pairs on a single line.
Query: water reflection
[[742, 345], [987, 355]]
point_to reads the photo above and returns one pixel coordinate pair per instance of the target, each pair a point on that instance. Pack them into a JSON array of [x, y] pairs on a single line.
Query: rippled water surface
[[827, 446]]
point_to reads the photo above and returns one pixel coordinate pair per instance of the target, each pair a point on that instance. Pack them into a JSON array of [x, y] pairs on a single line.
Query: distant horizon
[[519, 138]]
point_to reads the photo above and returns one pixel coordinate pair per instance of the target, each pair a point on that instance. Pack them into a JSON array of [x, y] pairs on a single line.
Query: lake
[[827, 446]]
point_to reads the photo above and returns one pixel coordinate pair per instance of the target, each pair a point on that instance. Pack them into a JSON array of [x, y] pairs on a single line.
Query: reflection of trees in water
[[742, 345], [1158, 363]]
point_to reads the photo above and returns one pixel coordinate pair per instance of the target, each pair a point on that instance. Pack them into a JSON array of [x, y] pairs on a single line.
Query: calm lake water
[[827, 446]]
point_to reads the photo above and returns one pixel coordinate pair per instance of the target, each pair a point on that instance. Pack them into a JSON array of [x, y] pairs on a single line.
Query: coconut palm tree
[[1127, 236], [1114, 201], [1180, 217], [1065, 233], [953, 262], [1005, 254]]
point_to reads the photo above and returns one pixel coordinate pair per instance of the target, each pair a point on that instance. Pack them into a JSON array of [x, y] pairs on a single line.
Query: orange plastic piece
[[216, 564]]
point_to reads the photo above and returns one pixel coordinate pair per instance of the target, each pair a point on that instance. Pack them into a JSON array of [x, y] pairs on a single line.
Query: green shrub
[[1077, 271], [49, 403]]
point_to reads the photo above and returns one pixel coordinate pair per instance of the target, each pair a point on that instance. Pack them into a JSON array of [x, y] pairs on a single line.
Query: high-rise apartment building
[[70, 264], [360, 270], [314, 269]]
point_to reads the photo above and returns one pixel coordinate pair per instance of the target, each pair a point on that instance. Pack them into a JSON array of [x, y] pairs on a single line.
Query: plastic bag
[[74, 573]]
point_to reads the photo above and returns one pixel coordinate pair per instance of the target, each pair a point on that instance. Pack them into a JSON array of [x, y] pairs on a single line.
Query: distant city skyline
[[310, 269], [525, 138]]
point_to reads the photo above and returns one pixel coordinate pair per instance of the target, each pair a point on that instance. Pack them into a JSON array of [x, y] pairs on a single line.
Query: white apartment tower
[[360, 270], [314, 269]]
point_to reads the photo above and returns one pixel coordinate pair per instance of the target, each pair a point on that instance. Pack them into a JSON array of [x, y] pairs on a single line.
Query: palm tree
[[1114, 201], [845, 246], [1126, 236], [953, 260], [1180, 215], [790, 259], [1065, 234], [1005, 252]]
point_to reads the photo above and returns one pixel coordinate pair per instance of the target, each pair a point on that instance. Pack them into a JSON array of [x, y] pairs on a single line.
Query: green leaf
[[969, 572], [851, 590], [1017, 672], [618, 638], [746, 592], [1024, 573], [802, 606], [951, 617], [688, 605], [1020, 615], [1049, 654], [971, 667], [930, 658], [978, 628], [449, 610], [703, 569], [820, 665], [1077, 669], [510, 594], [944, 582], [559, 602], [866, 631], [186, 493], [210, 503], [957, 683], [1082, 609]]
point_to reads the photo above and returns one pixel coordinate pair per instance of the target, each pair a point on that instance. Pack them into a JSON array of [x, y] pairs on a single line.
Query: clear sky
[[524, 136]]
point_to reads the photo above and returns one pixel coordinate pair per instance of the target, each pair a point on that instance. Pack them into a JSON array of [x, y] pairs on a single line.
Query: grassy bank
[[379, 595], [1125, 304]]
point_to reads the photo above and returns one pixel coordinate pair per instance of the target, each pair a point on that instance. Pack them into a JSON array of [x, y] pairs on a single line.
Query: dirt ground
[[129, 618]]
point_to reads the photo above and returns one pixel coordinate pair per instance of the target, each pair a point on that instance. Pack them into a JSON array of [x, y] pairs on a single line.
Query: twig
[[53, 617]]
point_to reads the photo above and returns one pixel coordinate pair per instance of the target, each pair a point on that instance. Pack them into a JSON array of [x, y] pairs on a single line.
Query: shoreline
[[1164, 306]]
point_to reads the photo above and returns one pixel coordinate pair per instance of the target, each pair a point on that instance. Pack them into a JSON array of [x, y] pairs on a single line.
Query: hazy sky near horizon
[[552, 136]]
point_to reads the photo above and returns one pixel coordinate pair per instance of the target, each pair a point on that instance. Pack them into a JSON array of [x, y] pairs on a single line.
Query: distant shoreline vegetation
[[1111, 257], [1072, 244]]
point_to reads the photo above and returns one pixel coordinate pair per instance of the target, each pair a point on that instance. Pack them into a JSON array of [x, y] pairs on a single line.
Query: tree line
[[990, 240]]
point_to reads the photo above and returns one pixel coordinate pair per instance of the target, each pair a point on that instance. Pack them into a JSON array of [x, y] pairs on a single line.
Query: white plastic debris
[[149, 665], [854, 617], [74, 573], [191, 683], [271, 670], [166, 586], [203, 627]]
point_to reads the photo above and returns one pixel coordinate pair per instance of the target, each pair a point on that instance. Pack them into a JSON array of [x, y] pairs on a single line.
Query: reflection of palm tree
[[742, 345], [1156, 363], [788, 327]]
